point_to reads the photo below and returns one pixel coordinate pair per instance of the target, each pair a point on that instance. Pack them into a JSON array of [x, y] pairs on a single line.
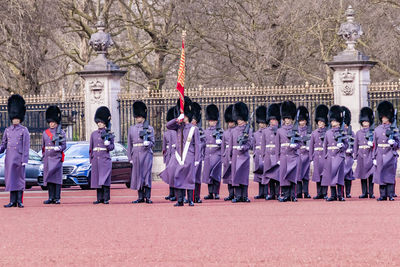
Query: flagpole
[[181, 84]]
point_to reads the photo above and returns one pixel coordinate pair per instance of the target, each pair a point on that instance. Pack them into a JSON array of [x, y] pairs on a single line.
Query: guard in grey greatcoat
[[168, 148], [317, 155], [363, 153], [196, 121], [53, 146], [101, 143], [386, 144], [140, 153], [212, 154], [225, 152], [349, 160], [16, 140], [258, 157]]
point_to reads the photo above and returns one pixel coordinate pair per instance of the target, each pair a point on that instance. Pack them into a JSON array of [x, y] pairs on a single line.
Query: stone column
[[351, 77], [102, 83]]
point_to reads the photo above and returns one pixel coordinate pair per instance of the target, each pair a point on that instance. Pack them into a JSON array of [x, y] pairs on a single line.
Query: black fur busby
[[366, 114], [335, 113], [102, 115], [228, 114], [212, 113], [16, 107], [187, 107], [386, 109], [53, 114], [304, 115], [261, 114], [347, 115], [274, 112], [139, 109], [196, 112], [321, 113], [172, 113], [288, 110], [240, 111]]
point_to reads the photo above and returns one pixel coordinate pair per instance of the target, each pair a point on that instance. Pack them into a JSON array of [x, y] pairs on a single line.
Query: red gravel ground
[[309, 232]]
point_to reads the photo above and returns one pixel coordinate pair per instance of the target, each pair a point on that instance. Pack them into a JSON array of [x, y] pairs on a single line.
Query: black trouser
[[241, 191], [274, 188], [171, 192], [213, 187], [231, 191], [347, 185], [337, 191], [54, 191], [144, 192], [367, 186], [180, 194], [16, 196], [386, 190], [262, 189], [292, 190], [302, 187], [190, 194], [103, 193], [323, 189], [197, 190]]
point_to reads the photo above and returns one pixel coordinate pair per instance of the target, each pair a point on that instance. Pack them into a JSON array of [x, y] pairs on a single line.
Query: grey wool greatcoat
[[258, 159], [288, 156], [303, 170], [240, 158], [270, 157], [141, 157], [17, 142], [52, 159], [385, 156], [333, 173], [363, 153], [317, 155], [100, 160], [226, 156], [168, 147], [212, 158], [348, 162], [198, 171], [183, 172]]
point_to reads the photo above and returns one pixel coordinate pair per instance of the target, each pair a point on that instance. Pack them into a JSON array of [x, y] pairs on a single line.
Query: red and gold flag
[[181, 75]]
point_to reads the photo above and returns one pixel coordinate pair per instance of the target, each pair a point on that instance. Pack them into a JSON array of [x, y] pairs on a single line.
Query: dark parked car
[[32, 170], [77, 168], [69, 144]]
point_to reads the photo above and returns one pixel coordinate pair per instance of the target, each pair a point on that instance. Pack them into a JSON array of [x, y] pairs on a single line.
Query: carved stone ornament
[[347, 79], [101, 41], [96, 92], [350, 30]]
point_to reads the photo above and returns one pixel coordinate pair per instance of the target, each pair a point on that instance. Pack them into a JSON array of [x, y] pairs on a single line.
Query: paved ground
[[310, 232]]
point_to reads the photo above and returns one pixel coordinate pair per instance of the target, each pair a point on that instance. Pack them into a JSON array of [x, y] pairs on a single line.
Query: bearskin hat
[[196, 112], [335, 113], [261, 114], [53, 114], [103, 114], [386, 109], [16, 107], [304, 115], [366, 114], [139, 109], [288, 110], [240, 112], [274, 112], [321, 113], [172, 113], [212, 113], [347, 115], [228, 114], [187, 108]]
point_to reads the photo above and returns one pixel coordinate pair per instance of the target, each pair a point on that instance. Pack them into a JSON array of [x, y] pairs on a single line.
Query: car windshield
[[78, 151], [34, 156]]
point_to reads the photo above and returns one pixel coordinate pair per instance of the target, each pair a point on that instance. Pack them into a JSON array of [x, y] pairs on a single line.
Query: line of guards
[[283, 147]]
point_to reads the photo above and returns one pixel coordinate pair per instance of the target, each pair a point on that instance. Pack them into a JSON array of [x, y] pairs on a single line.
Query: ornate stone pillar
[[351, 77], [102, 83]]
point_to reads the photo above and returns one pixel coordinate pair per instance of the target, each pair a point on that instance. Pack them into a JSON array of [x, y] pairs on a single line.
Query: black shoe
[[299, 195], [283, 199], [198, 200], [172, 199], [332, 199], [140, 200], [246, 199], [178, 204], [348, 196], [98, 202], [209, 196], [20, 205], [269, 197], [10, 205], [191, 204], [259, 197], [57, 202], [382, 199], [293, 199], [168, 198], [149, 201], [394, 195], [363, 196], [307, 195], [236, 200], [106, 202], [49, 201], [371, 196], [228, 198], [325, 197], [185, 201], [341, 199], [318, 197], [216, 196], [391, 198]]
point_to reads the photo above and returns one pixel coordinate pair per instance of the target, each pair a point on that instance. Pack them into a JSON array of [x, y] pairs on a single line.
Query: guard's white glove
[[131, 162], [57, 148], [278, 162], [349, 150], [218, 141], [196, 163], [180, 118], [370, 143], [146, 143], [240, 148], [24, 164], [293, 145], [307, 148], [391, 142], [230, 162], [339, 145], [374, 162], [106, 143]]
